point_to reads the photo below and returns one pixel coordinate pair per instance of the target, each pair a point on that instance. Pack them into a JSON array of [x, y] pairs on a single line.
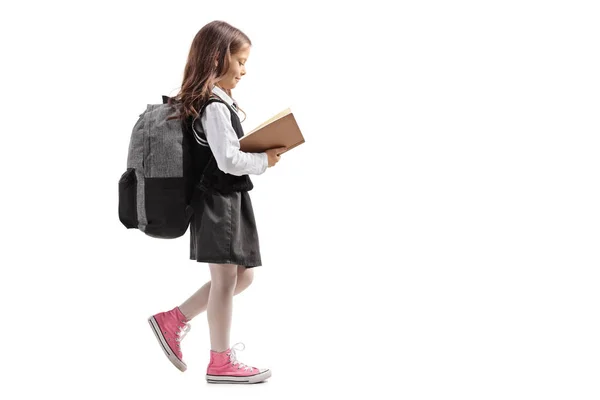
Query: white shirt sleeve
[[225, 145]]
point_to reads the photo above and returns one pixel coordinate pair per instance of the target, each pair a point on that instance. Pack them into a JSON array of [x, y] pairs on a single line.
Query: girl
[[222, 230]]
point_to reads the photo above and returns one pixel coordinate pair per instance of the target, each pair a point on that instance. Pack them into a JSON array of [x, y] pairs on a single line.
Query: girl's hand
[[274, 156]]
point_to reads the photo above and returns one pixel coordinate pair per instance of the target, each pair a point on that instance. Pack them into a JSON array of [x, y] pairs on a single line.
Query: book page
[[276, 117]]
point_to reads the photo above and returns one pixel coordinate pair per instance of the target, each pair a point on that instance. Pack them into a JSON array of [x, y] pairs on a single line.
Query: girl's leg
[[220, 304], [224, 365], [198, 302]]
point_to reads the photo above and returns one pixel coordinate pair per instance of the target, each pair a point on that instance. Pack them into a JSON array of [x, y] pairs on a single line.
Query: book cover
[[281, 130]]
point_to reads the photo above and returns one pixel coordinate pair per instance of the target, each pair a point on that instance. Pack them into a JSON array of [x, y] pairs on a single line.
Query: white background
[[437, 236]]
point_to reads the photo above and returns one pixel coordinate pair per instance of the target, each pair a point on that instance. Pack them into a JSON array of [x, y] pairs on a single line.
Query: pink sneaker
[[170, 328], [225, 368]]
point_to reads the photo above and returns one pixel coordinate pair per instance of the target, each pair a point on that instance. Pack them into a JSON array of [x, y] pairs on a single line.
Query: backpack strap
[[201, 139]]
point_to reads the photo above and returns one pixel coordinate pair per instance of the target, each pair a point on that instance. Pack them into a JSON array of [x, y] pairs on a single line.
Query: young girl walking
[[222, 230]]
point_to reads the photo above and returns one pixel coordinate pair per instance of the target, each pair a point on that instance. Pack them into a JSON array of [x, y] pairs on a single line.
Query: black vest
[[206, 174]]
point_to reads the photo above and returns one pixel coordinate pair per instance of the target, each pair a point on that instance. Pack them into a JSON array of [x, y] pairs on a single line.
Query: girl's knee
[[245, 276], [223, 275]]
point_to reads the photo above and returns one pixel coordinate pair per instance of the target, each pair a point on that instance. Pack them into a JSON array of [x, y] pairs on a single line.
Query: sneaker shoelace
[[234, 360], [183, 330]]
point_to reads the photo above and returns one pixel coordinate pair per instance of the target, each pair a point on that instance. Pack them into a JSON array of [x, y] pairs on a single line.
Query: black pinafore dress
[[222, 227]]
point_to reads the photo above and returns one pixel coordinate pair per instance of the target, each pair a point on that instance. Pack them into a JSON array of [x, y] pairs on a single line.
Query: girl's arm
[[225, 145]]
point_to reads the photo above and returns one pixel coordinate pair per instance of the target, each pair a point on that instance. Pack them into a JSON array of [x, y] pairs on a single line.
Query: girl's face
[[236, 68]]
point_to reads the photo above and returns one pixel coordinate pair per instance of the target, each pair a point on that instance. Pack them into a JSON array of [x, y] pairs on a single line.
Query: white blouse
[[224, 142]]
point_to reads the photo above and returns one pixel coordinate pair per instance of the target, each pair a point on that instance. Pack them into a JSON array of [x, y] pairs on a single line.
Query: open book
[[279, 131]]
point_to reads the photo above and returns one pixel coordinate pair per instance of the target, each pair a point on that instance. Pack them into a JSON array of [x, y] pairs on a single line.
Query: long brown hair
[[216, 40]]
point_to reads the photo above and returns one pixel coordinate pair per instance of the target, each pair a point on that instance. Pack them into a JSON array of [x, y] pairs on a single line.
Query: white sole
[[163, 344], [260, 377]]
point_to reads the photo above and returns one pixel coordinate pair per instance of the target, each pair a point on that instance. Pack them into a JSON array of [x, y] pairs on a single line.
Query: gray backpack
[[155, 190]]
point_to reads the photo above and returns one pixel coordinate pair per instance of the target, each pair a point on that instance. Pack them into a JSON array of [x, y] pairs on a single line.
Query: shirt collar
[[224, 96]]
